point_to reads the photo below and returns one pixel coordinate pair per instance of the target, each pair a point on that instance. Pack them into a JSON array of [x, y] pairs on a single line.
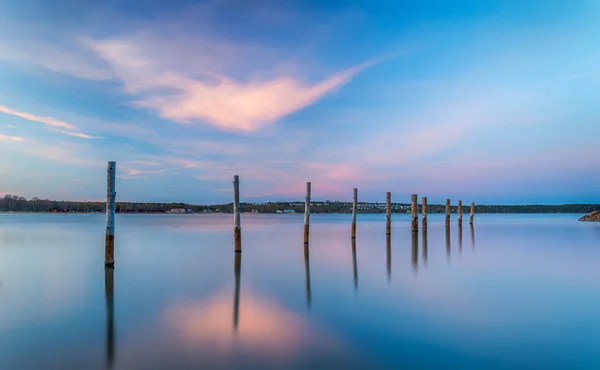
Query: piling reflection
[[472, 237], [307, 275], [415, 251], [388, 254], [460, 239], [110, 320], [237, 267], [448, 243], [425, 247], [354, 263]]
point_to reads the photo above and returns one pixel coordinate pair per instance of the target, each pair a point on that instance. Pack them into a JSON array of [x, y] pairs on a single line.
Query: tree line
[[13, 203]]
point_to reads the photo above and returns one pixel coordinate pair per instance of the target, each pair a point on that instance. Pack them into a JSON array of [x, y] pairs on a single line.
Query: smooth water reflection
[[527, 297]]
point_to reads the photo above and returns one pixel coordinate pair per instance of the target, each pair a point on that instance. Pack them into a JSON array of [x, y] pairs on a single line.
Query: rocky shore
[[594, 216]]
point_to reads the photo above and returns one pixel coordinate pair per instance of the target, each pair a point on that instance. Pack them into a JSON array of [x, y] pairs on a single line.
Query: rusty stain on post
[[472, 213], [110, 321], [111, 194], [388, 213], [413, 213], [424, 212], [354, 209], [460, 213], [237, 268], [447, 212], [237, 230], [307, 213]]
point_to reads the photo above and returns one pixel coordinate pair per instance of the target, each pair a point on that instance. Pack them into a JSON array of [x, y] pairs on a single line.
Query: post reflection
[[354, 264], [237, 267], [448, 243], [415, 251], [472, 237], [460, 240], [110, 318], [425, 247], [388, 254], [307, 274]]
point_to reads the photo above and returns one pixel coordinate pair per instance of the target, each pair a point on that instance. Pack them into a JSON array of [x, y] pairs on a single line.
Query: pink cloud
[[223, 102]]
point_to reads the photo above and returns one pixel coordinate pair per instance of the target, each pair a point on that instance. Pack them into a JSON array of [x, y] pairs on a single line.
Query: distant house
[[289, 211], [278, 211]]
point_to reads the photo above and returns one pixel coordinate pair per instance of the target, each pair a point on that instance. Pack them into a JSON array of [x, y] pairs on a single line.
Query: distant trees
[[13, 203]]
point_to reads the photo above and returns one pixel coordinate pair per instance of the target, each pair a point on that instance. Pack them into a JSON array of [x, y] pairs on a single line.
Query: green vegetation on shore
[[11, 203]]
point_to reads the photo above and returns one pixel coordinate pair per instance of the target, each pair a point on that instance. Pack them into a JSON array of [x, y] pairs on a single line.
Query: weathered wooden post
[[447, 212], [413, 213], [388, 213], [307, 275], [307, 214], [460, 213], [472, 237], [388, 250], [354, 209], [111, 195], [237, 268], [110, 317], [472, 213], [237, 230], [424, 212]]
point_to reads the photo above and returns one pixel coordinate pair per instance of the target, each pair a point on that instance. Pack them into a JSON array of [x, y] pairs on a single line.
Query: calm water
[[516, 291]]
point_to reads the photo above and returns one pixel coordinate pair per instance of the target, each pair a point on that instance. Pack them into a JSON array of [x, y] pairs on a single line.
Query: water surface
[[514, 291]]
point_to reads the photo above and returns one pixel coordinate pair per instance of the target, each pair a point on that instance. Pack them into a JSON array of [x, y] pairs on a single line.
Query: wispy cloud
[[52, 123], [10, 138]]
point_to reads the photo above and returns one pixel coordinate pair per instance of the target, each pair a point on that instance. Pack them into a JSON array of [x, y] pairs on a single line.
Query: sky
[[496, 102]]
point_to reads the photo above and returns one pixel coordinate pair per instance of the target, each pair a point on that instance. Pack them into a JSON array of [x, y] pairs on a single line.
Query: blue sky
[[485, 101]]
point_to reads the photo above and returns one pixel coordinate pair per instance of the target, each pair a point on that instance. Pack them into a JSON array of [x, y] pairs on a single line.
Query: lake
[[514, 291]]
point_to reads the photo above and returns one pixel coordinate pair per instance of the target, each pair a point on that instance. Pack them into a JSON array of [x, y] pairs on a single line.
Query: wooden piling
[[472, 215], [237, 270], [447, 212], [307, 213], [237, 230], [472, 236], [424, 212], [354, 209], [109, 272], [111, 195], [413, 213], [388, 213], [460, 213]]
